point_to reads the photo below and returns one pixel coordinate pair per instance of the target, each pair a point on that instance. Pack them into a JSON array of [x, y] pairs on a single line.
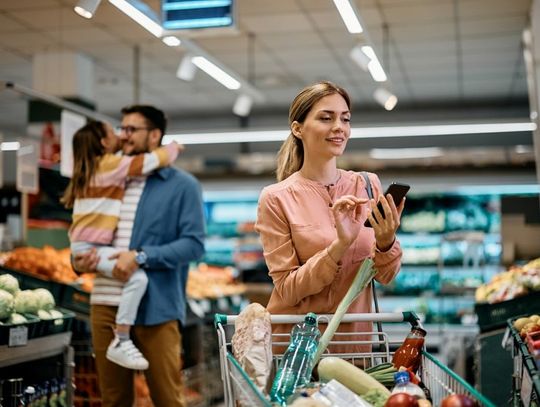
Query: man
[[161, 229]]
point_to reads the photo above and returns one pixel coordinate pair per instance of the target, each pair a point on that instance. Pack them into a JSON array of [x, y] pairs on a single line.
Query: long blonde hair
[[290, 157], [87, 151]]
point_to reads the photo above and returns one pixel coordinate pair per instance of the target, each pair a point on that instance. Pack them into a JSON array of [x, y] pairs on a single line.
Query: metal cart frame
[[237, 386]]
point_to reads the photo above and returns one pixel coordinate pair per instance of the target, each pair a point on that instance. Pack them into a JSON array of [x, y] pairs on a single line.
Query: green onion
[[362, 279]]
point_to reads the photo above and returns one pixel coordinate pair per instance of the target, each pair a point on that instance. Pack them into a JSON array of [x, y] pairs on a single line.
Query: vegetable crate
[[438, 378], [526, 377]]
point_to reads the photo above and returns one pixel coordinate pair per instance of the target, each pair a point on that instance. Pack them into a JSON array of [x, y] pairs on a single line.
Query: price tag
[[526, 388], [18, 336]]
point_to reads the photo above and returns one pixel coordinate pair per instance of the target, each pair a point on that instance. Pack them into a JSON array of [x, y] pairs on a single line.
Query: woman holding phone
[[311, 222]]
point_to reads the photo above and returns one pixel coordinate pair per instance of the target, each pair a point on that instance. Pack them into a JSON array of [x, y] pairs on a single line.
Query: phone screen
[[397, 191]]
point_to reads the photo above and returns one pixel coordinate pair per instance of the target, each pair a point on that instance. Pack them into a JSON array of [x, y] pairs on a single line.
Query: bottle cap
[[400, 377], [311, 318]]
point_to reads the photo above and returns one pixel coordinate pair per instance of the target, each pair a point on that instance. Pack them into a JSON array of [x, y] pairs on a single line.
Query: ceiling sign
[[195, 14]]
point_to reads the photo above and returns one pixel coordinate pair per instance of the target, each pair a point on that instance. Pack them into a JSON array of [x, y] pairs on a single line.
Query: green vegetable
[[16, 319], [42, 314], [26, 302], [6, 304], [9, 284], [44, 298], [362, 279], [55, 314], [352, 377], [375, 397]]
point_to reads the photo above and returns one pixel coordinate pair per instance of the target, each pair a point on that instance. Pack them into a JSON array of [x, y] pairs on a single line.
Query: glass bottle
[[409, 353], [403, 385], [297, 363]]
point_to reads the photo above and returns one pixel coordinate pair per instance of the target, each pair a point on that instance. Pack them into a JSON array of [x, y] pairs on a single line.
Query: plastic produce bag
[[252, 344]]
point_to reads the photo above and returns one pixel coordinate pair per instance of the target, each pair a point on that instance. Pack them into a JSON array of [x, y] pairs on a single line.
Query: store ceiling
[[454, 55]]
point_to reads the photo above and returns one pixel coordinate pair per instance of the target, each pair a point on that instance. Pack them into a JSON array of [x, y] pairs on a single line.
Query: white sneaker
[[126, 354]]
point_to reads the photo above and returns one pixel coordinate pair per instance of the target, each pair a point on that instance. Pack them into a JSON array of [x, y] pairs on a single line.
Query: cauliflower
[[42, 314], [26, 301], [9, 283], [44, 298], [16, 319], [6, 304]]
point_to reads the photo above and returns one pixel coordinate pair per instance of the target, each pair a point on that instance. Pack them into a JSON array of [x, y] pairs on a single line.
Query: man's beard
[[140, 150]]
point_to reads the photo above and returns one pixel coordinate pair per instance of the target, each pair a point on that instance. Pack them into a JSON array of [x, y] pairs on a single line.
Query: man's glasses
[[129, 130]]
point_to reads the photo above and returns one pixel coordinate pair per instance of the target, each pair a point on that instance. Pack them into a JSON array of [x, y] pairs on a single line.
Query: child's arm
[[144, 164]]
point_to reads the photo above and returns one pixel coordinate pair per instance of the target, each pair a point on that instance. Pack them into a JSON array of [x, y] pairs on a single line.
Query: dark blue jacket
[[169, 226]]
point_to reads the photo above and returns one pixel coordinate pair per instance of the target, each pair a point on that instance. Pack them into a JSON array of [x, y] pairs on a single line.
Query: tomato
[[401, 400], [458, 400]]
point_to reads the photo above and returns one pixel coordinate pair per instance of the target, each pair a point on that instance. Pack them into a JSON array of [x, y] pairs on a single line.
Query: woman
[[311, 222]]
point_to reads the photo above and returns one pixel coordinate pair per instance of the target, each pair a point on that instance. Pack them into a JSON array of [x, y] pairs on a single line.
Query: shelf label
[[196, 308], [18, 336], [526, 388]]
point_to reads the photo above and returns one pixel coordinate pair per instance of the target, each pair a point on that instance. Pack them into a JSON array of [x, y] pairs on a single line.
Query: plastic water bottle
[[403, 385], [297, 363]]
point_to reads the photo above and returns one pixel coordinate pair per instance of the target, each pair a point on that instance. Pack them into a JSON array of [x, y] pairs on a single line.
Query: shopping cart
[[237, 386]]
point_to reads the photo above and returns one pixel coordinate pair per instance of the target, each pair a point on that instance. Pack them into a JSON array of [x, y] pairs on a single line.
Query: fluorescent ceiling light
[[216, 72], [186, 70], [404, 153], [348, 16], [375, 68], [10, 146], [386, 98], [357, 132], [242, 105], [141, 18], [86, 8], [171, 41]]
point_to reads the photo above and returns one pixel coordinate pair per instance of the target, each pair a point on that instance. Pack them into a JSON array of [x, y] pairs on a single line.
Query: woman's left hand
[[385, 227]]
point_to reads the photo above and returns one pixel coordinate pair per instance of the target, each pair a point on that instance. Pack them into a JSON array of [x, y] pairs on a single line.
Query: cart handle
[[406, 316]]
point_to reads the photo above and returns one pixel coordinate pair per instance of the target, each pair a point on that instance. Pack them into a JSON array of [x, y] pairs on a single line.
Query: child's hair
[[87, 151]]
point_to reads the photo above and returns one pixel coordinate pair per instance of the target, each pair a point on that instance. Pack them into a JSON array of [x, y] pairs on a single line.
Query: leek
[[362, 279]]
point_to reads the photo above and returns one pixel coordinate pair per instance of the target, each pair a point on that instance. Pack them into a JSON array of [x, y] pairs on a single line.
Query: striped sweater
[[95, 216]]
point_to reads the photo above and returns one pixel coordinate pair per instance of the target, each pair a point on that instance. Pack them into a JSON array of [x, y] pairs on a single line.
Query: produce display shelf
[[526, 380], [35, 349]]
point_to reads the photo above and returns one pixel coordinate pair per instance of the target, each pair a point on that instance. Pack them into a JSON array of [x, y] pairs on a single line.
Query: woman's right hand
[[347, 212]]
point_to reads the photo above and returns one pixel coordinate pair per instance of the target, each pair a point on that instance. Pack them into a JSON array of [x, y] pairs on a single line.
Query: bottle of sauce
[[409, 353]]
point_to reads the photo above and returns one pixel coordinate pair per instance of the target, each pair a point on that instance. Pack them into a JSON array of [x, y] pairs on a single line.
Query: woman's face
[[326, 129]]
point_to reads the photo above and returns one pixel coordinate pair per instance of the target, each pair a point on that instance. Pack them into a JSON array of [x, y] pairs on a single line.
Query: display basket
[[526, 376], [438, 378]]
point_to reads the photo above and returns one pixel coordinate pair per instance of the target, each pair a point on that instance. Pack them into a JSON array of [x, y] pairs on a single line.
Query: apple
[[458, 400], [401, 400]]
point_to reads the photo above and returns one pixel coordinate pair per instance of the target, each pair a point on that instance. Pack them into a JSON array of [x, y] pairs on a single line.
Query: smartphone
[[397, 191]]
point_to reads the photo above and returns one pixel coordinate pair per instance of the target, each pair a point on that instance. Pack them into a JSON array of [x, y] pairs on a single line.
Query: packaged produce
[[252, 344]]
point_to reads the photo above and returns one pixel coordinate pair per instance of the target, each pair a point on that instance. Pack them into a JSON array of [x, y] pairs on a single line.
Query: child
[[95, 194]]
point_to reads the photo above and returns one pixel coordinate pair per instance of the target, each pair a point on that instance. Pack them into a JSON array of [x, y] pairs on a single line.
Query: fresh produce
[[6, 304], [55, 314], [510, 284], [375, 397], [458, 400], [401, 400], [26, 302], [383, 373], [42, 314], [16, 319], [526, 325], [44, 299], [350, 376], [9, 284], [362, 279]]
